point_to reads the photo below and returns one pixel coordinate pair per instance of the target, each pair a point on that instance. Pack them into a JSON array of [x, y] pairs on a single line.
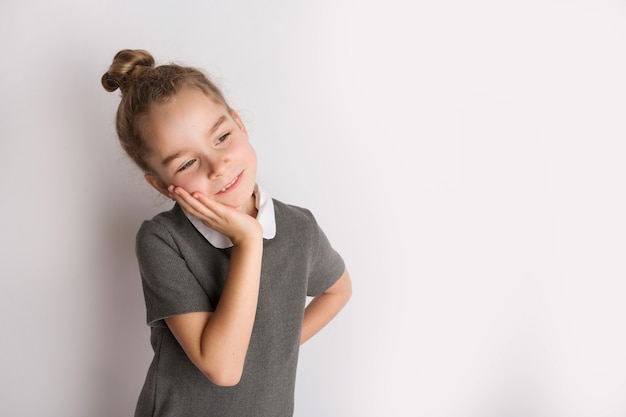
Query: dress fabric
[[182, 272]]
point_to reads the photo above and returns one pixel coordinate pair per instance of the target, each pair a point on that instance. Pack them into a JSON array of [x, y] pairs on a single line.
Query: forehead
[[189, 109], [188, 105]]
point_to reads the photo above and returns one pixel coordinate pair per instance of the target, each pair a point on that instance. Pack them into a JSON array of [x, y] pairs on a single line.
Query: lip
[[228, 187]]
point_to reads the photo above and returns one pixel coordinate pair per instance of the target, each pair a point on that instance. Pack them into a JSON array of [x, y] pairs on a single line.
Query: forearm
[[226, 336], [217, 342], [323, 308]]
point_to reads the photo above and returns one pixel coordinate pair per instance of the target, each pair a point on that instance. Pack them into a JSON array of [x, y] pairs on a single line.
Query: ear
[[157, 184], [238, 120]]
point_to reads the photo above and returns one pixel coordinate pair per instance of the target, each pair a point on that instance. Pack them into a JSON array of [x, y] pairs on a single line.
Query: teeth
[[231, 183]]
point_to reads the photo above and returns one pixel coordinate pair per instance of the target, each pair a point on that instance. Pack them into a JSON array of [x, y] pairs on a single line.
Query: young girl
[[227, 270]]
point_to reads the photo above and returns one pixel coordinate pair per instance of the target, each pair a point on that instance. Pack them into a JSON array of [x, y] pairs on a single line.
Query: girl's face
[[199, 145]]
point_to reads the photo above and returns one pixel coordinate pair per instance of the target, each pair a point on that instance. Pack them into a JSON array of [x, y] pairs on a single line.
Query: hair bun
[[127, 67]]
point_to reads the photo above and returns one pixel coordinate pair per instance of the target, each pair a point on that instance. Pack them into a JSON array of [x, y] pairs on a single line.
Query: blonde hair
[[144, 85]]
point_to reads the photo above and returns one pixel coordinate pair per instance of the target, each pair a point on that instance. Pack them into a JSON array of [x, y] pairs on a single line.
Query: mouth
[[231, 185]]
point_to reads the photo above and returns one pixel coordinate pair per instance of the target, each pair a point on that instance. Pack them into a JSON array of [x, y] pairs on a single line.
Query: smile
[[230, 184]]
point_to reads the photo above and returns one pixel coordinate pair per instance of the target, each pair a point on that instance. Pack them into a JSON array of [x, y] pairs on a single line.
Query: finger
[[189, 203], [211, 204], [200, 206]]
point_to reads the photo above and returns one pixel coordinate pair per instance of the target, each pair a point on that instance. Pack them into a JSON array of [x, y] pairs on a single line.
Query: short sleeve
[[169, 286], [327, 266]]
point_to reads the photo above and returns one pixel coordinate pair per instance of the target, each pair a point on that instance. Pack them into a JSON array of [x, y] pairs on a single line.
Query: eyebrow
[[170, 158], [217, 124]]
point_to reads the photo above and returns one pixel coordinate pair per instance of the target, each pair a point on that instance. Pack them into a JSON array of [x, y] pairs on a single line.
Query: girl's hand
[[237, 225]]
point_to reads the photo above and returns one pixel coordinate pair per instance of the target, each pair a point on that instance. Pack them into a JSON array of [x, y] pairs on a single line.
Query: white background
[[466, 158]]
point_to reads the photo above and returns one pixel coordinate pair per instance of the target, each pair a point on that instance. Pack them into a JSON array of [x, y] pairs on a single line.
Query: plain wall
[[466, 158]]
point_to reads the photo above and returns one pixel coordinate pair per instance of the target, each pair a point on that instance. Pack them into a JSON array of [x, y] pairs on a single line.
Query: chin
[[238, 201]]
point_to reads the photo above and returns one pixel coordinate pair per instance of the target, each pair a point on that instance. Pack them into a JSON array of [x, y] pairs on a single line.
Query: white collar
[[265, 216]]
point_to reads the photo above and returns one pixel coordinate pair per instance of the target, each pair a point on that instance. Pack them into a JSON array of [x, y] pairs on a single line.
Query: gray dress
[[182, 272]]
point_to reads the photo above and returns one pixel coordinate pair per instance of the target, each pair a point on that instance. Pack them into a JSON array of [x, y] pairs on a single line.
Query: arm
[[325, 306], [217, 342]]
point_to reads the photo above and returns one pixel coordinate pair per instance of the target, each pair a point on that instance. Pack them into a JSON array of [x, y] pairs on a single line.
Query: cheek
[[192, 184], [251, 157]]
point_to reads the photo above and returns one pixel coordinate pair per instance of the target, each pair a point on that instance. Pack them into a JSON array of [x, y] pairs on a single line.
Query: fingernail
[[170, 188]]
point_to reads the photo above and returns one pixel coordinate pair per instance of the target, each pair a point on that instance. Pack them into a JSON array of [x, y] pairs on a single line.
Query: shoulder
[[170, 218], [165, 226], [296, 222], [289, 216], [291, 212]]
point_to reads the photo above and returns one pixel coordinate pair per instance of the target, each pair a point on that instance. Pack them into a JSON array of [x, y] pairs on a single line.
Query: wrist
[[250, 239]]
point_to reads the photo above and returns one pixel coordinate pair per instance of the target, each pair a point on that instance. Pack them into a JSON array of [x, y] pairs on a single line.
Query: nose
[[218, 166]]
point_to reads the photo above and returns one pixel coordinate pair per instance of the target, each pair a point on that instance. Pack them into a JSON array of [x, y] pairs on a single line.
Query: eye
[[186, 165], [223, 138]]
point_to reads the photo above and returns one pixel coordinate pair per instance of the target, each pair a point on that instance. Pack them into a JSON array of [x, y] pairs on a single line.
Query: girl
[[227, 270]]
